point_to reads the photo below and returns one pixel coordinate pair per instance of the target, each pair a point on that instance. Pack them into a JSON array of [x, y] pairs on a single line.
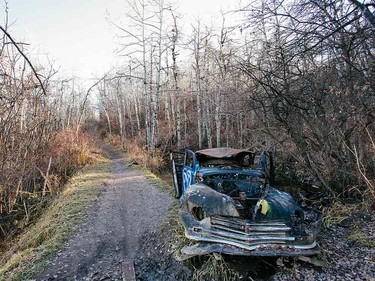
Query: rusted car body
[[228, 205]]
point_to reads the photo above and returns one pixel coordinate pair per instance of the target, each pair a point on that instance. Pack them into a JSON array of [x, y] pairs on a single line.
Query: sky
[[75, 35]]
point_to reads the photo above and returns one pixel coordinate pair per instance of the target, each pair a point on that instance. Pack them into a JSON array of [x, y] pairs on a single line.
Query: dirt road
[[107, 239]]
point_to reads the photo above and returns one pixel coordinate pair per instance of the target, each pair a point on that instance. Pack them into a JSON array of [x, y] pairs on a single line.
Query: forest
[[292, 77]]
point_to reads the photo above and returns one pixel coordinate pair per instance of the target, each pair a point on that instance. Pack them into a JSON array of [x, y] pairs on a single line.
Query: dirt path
[[108, 237]]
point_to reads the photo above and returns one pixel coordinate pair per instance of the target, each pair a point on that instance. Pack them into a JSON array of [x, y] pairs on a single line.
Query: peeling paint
[[235, 206]]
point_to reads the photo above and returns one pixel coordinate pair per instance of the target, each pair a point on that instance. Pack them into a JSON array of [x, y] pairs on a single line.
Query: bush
[[153, 160], [41, 172], [68, 152]]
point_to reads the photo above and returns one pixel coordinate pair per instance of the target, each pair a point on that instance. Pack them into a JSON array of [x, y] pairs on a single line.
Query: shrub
[[27, 182]]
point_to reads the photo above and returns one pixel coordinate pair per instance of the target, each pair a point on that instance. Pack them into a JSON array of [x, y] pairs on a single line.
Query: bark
[[175, 34], [197, 47]]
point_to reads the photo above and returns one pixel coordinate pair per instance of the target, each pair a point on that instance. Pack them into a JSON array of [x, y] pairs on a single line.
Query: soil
[[109, 236], [125, 227], [345, 259], [156, 262]]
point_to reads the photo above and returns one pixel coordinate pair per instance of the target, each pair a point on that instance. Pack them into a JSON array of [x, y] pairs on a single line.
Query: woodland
[[293, 77]]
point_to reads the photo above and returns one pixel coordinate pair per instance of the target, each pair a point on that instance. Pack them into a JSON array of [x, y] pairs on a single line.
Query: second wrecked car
[[229, 205]]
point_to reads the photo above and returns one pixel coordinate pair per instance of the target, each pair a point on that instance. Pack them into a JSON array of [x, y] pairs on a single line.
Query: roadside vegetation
[[43, 143], [27, 189], [26, 254]]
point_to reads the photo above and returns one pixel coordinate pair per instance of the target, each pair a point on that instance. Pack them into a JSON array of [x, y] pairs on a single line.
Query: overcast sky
[[75, 33]]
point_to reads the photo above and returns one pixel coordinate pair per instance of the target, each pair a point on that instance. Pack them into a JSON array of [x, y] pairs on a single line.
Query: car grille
[[243, 232]]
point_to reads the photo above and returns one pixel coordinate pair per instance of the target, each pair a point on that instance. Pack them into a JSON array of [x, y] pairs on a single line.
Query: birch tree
[[135, 37]]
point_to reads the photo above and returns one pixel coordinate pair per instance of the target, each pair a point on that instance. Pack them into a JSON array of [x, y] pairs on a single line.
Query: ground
[[345, 259], [109, 236]]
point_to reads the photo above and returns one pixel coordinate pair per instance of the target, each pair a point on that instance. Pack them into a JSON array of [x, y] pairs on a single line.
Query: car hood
[[208, 171]]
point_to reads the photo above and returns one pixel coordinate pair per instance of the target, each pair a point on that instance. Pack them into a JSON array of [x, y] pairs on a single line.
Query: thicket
[[40, 141], [294, 76]]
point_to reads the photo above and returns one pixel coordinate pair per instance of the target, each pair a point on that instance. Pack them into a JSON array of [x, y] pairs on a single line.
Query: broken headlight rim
[[198, 177]]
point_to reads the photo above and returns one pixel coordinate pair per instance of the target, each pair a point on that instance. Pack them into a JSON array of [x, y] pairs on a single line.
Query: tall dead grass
[[152, 160], [69, 152], [138, 154], [38, 175]]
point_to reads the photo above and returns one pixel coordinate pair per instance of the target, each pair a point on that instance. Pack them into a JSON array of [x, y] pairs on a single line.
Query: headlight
[[198, 177]]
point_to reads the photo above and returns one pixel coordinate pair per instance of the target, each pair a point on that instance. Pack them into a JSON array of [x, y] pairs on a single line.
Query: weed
[[28, 254], [152, 160], [215, 268], [358, 236], [323, 256], [337, 213]]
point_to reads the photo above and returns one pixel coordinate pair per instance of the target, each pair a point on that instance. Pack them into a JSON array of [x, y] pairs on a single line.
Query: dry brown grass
[[43, 173], [27, 254], [113, 139], [337, 213], [137, 153], [215, 268], [151, 160], [68, 151]]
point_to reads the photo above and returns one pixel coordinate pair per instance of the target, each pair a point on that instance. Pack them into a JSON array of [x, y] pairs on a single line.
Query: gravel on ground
[[111, 233]]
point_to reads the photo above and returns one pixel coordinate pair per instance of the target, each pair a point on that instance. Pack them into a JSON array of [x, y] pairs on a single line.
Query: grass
[[337, 213], [323, 256], [204, 268], [360, 237], [215, 268], [28, 254], [156, 181], [135, 153]]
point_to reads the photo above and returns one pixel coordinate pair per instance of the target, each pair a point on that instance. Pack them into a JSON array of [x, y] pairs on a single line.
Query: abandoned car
[[229, 205]]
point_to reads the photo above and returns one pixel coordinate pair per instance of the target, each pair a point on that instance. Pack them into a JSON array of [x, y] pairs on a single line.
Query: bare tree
[[314, 60], [175, 35]]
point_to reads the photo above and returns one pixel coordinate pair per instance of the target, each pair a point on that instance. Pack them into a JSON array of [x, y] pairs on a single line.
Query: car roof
[[222, 152]]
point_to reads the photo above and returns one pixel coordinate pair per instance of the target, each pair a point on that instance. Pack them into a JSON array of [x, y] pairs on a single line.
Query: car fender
[[210, 201]]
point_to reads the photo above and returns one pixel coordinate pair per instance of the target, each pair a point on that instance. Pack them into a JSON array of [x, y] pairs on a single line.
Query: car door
[[188, 170], [177, 163]]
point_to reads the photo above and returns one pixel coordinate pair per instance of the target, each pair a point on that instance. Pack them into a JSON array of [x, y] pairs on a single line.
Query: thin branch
[[26, 58], [365, 12]]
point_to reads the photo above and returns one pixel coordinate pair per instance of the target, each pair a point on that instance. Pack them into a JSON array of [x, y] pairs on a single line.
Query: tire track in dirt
[[109, 235]]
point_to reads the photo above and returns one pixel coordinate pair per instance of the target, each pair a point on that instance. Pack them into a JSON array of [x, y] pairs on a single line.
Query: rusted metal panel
[[222, 152], [274, 250], [231, 204]]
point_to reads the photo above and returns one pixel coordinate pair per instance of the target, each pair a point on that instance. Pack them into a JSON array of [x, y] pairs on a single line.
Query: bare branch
[[365, 11], [26, 58]]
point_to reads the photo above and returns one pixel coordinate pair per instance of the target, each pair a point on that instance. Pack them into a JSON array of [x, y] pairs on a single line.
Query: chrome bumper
[[245, 234]]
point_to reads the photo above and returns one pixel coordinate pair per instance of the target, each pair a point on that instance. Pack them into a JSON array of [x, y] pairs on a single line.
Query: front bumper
[[236, 236]]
